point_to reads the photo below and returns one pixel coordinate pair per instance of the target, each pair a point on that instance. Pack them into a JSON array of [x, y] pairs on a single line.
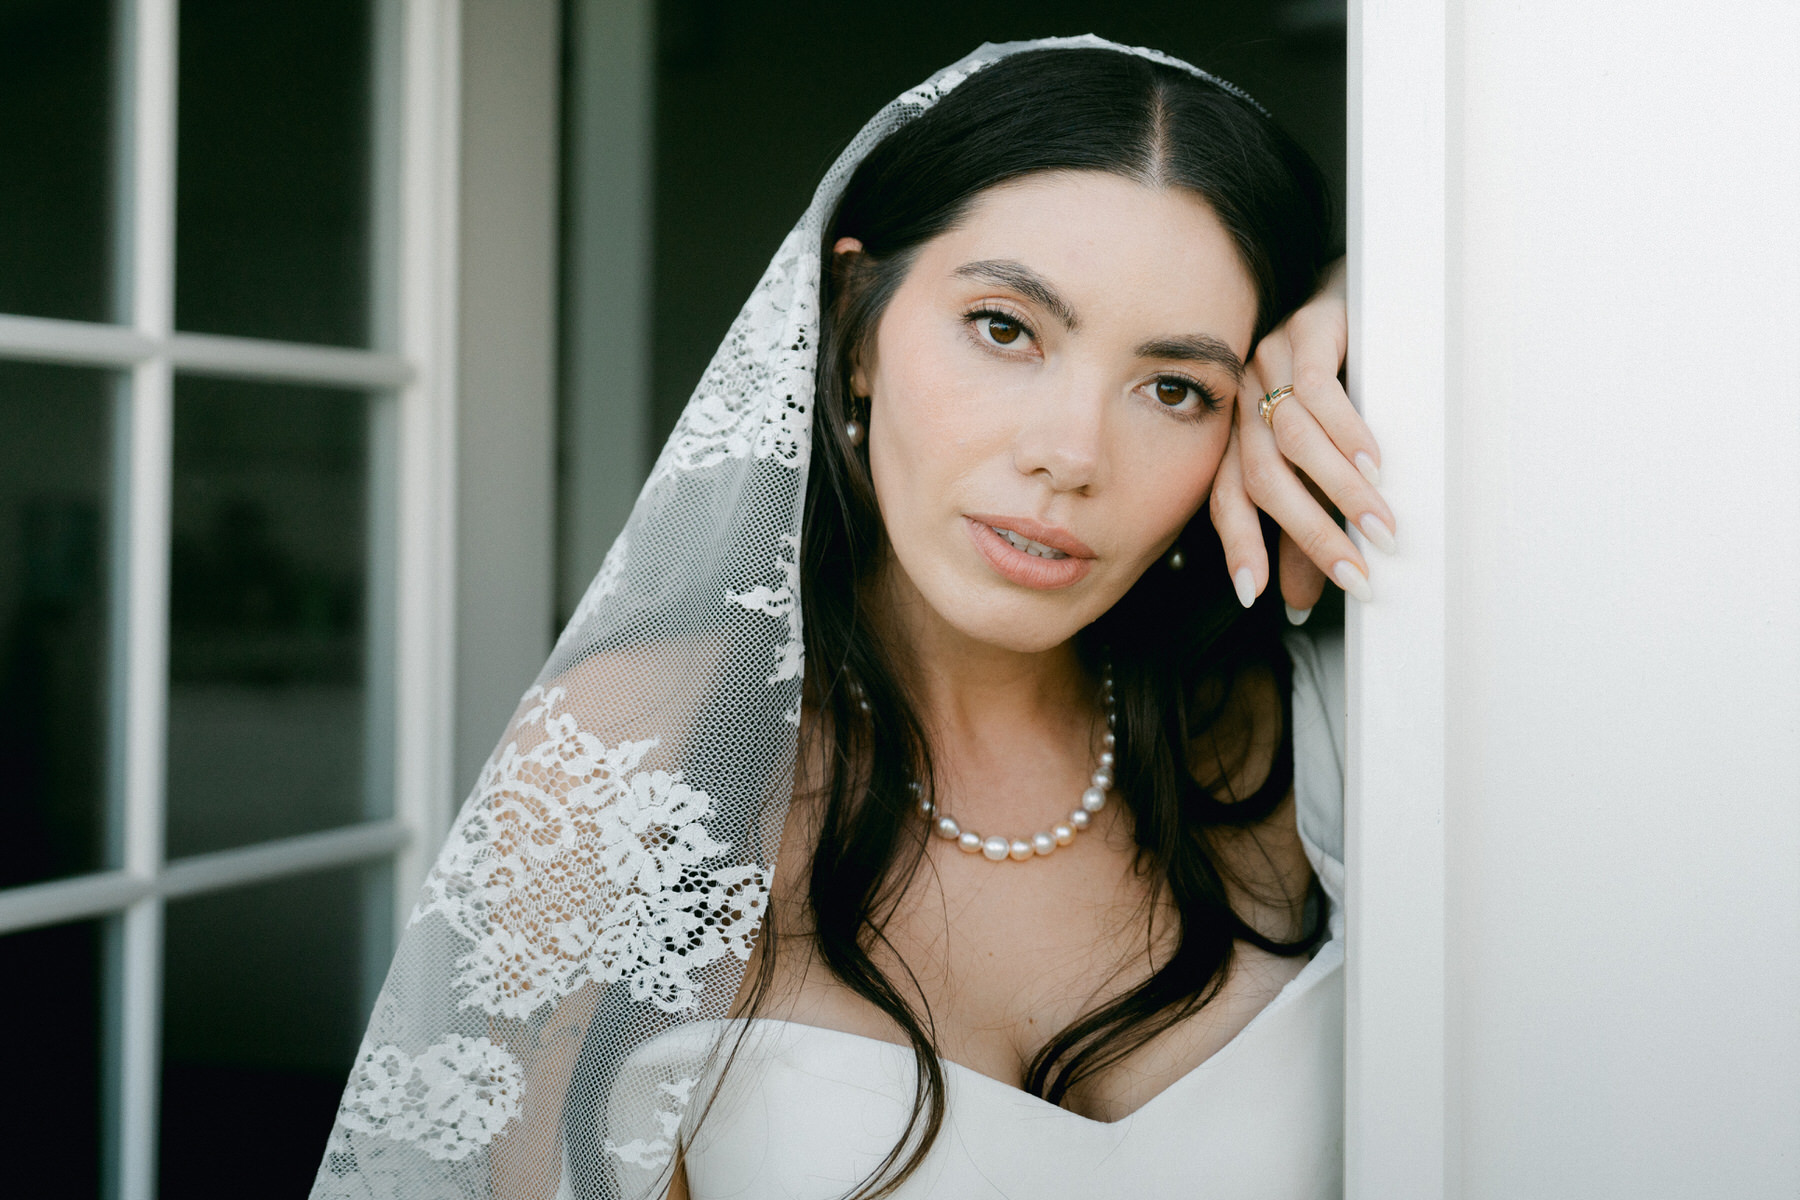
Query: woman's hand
[[1317, 452]]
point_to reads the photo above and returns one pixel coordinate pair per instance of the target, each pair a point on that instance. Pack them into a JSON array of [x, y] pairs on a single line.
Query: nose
[[1061, 438]]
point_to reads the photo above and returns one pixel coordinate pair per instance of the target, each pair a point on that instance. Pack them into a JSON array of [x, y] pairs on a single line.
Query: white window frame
[[419, 47], [1396, 1133]]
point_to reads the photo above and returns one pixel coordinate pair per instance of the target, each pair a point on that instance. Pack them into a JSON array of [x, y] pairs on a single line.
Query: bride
[[1014, 867]]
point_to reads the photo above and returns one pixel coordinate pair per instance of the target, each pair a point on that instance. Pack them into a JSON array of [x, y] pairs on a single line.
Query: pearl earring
[[853, 429], [1176, 559]]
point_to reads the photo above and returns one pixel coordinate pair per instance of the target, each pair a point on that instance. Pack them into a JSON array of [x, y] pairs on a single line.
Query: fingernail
[[1377, 532], [1297, 616], [1245, 583], [1367, 466], [1352, 580]]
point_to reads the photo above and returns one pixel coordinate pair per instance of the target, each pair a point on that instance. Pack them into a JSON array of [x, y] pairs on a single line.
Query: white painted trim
[[89, 344], [275, 860], [149, 449], [604, 406], [505, 493], [252, 358], [87, 896], [74, 899], [1396, 1129], [82, 342], [424, 652], [140, 1053]]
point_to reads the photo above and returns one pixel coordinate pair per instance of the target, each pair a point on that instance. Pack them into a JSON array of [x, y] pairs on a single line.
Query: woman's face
[[1051, 392]]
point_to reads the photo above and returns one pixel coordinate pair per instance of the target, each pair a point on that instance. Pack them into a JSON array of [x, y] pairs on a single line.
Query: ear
[[846, 257]]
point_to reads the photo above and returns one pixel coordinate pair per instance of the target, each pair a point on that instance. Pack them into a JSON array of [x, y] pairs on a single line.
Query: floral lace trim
[[756, 395], [450, 1101], [782, 603], [571, 866]]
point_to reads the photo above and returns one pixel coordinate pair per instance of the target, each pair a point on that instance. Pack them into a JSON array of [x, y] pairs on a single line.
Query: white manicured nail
[[1367, 466], [1297, 616], [1245, 583], [1352, 580], [1373, 529]]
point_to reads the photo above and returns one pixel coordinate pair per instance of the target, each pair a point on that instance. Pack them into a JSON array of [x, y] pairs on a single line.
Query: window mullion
[[147, 456]]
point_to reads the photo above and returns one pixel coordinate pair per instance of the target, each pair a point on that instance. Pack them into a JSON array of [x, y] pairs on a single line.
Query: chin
[[1022, 624]]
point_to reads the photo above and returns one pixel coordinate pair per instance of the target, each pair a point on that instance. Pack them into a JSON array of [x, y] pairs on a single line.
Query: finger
[[1316, 342], [1273, 487], [1304, 443], [1240, 532], [1302, 583]]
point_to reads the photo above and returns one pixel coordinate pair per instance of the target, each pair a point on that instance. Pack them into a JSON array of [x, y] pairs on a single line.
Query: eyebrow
[[1195, 348], [1016, 276], [1022, 279]]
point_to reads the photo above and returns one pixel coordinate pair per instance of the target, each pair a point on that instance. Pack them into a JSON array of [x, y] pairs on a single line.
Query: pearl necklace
[[998, 849]]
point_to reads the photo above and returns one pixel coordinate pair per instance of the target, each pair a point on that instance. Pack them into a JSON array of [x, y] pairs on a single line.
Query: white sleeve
[[1318, 739]]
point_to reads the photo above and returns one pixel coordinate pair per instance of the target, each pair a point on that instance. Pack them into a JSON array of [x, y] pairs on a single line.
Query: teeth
[[1021, 542]]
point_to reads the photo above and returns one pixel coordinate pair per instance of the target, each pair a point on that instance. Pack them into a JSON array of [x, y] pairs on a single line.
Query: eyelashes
[[998, 331], [1209, 402], [996, 327]]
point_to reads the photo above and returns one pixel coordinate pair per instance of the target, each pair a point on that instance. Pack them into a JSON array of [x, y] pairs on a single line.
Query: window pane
[[273, 172], [51, 1102], [55, 447], [273, 729], [266, 992], [56, 144]]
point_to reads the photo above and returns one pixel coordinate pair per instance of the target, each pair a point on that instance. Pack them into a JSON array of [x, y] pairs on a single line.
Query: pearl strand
[[1045, 842]]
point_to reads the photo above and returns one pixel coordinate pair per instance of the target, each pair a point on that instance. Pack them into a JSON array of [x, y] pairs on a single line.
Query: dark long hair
[[1179, 641]]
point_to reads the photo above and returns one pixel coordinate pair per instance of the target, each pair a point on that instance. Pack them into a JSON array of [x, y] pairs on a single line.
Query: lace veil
[[605, 880]]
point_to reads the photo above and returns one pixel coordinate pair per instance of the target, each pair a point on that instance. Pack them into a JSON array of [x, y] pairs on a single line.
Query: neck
[[1006, 726]]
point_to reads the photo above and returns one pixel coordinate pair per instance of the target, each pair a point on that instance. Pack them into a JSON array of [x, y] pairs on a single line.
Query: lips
[[1030, 553]]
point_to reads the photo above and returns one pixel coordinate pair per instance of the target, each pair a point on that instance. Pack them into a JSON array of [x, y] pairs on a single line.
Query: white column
[[1395, 1073]]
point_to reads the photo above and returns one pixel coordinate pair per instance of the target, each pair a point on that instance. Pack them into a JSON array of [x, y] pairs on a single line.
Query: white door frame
[[1396, 1123]]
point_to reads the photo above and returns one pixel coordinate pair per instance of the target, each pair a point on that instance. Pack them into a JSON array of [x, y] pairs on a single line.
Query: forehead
[[1123, 253]]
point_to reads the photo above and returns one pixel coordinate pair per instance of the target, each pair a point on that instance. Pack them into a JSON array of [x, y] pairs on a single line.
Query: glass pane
[[266, 993], [273, 170], [270, 712], [56, 144], [55, 448], [52, 1102]]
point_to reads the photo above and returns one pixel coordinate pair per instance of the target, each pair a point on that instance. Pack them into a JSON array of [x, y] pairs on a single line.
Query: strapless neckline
[[1307, 979]]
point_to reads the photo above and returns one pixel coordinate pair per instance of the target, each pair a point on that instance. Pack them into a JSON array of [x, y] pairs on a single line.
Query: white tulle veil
[[606, 878]]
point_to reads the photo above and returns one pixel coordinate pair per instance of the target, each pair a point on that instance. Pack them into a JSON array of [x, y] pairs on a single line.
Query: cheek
[[1170, 478], [927, 421]]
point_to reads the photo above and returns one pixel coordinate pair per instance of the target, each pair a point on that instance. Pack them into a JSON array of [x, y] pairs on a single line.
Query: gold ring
[[1267, 405]]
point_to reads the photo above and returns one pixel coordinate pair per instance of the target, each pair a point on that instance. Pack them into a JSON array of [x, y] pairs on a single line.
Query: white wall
[[1622, 813]]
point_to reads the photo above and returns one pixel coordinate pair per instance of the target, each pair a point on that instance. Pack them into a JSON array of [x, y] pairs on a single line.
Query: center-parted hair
[[1180, 644]]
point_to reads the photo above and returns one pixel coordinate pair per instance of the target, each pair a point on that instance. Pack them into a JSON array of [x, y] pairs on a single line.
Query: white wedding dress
[[807, 1113]]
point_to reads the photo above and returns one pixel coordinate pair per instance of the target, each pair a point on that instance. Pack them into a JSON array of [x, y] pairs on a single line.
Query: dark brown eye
[[1003, 331], [1171, 392]]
